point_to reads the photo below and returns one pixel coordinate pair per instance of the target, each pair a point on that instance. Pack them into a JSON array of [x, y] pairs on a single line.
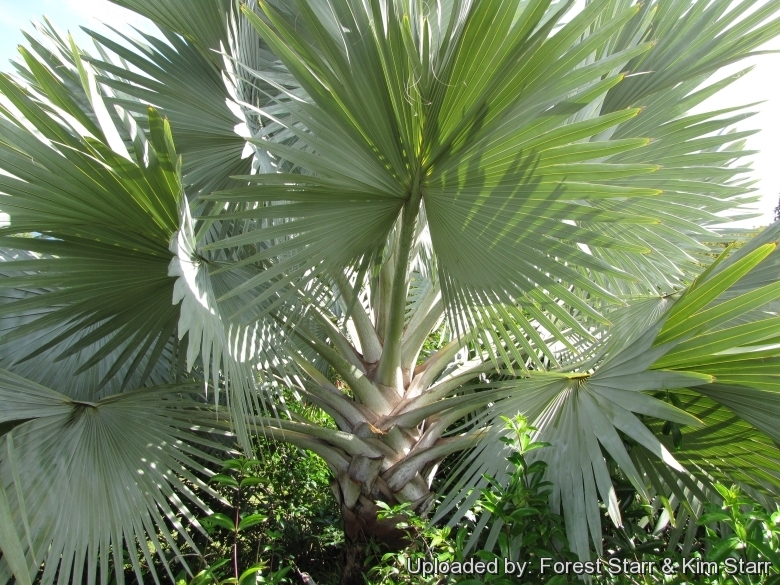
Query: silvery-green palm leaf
[[85, 480], [108, 201], [101, 222], [702, 360], [202, 82], [99, 361]]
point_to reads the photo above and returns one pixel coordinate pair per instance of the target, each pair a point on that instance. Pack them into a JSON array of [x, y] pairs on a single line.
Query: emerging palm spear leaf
[[521, 179]]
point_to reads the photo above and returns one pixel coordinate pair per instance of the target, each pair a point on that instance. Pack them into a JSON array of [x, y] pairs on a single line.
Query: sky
[[761, 84]]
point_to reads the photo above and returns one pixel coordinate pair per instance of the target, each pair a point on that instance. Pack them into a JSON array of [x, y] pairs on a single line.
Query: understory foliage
[[277, 515], [413, 217], [292, 534]]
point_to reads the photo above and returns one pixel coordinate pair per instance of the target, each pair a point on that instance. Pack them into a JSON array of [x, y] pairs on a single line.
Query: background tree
[[265, 195]]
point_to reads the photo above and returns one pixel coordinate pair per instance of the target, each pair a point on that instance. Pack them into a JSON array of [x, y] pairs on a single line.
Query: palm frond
[[605, 404], [104, 223], [83, 485], [345, 134], [172, 75], [202, 22], [97, 288], [10, 543]]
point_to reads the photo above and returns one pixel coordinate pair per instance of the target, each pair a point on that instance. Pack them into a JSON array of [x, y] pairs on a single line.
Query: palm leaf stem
[[429, 370], [402, 473], [389, 369], [369, 340], [340, 342], [346, 412], [383, 290], [423, 321], [367, 392]]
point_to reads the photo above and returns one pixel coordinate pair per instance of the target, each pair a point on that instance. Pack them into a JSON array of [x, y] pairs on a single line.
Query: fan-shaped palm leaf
[[583, 413], [85, 486], [105, 223]]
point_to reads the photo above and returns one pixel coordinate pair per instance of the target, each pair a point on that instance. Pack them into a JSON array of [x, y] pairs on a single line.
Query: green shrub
[[277, 524]]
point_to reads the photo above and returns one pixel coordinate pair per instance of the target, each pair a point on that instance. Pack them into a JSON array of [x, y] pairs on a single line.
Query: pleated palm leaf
[[97, 413], [420, 216]]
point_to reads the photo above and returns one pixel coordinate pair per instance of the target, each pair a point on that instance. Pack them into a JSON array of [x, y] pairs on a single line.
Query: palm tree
[[420, 216]]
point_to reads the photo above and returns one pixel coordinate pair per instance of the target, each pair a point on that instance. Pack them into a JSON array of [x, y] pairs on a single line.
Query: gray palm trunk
[[391, 433]]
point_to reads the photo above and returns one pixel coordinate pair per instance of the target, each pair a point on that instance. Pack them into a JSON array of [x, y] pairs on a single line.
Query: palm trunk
[[390, 439], [357, 491], [353, 565]]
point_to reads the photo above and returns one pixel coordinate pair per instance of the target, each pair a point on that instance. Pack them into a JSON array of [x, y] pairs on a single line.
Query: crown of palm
[[322, 185]]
